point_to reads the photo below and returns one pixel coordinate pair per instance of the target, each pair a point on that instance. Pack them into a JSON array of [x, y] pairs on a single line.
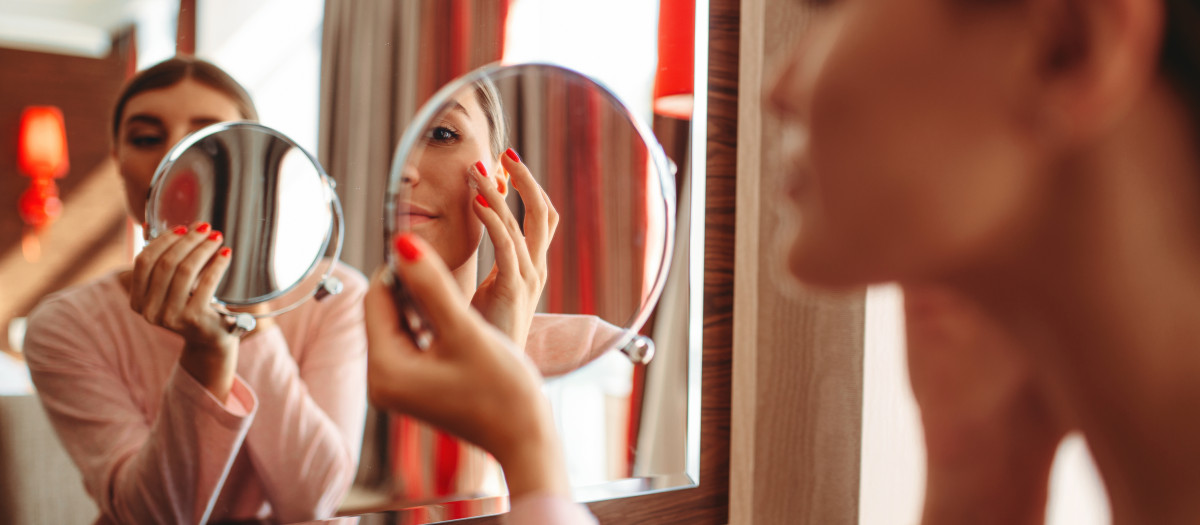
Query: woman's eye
[[442, 135], [145, 141]]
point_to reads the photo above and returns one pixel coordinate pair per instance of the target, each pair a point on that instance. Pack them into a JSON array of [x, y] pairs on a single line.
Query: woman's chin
[[826, 267]]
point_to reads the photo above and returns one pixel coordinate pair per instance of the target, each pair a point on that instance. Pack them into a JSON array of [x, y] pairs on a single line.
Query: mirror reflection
[[169, 411], [304, 66], [550, 205]]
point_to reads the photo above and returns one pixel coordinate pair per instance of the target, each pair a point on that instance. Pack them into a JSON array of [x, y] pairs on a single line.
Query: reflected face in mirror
[[155, 120], [441, 196]]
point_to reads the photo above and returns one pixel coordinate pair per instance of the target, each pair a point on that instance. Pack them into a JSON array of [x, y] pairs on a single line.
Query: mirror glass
[[613, 188], [271, 199], [343, 80], [597, 166]]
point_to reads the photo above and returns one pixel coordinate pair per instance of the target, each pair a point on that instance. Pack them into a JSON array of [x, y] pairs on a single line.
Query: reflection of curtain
[[593, 166], [382, 59]]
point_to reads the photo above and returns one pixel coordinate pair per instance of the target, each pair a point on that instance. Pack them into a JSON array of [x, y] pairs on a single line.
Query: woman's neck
[[1107, 297], [467, 276]]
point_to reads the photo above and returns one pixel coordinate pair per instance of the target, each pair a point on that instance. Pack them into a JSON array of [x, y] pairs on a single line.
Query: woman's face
[[153, 122], [440, 202], [907, 154]]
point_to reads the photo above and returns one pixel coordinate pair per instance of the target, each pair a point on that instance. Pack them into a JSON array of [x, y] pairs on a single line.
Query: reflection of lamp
[[676, 54], [41, 156]]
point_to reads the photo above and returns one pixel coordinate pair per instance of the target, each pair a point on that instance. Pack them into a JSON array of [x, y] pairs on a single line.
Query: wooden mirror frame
[[708, 501]]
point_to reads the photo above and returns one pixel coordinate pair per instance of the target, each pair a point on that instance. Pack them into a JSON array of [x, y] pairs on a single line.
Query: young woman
[[1028, 170], [169, 416]]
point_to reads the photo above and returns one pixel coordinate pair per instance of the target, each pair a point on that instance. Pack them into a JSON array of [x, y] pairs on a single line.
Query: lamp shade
[[42, 150], [673, 95]]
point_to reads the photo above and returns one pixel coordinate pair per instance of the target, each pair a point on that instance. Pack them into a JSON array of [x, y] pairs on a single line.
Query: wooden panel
[[797, 383], [89, 238], [709, 502]]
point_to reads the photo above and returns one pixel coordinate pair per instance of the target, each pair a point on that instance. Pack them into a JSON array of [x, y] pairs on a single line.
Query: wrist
[[533, 462], [211, 365]]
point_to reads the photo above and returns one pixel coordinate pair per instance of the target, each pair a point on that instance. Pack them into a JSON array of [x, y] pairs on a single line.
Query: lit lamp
[[41, 156], [676, 55]]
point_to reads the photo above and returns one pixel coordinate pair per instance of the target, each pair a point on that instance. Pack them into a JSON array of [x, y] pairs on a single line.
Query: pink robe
[[154, 446]]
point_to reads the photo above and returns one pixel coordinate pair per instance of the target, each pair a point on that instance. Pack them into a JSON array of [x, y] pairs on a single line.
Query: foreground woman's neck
[[1107, 297]]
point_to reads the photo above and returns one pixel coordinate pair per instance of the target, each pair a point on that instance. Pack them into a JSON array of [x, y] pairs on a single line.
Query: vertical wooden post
[[185, 32], [797, 354]]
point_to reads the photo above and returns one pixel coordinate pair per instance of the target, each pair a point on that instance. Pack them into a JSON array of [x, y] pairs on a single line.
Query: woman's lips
[[416, 214], [415, 219]]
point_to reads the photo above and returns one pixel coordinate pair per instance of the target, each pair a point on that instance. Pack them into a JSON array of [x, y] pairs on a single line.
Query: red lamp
[[673, 95], [41, 156]]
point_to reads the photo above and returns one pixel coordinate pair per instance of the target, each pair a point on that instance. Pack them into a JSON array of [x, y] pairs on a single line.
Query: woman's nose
[[410, 176], [782, 92]]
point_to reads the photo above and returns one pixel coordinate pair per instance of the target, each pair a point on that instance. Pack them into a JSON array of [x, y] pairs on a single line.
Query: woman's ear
[[1095, 58]]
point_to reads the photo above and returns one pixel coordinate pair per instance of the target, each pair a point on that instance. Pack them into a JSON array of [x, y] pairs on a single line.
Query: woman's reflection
[[456, 182], [170, 417]]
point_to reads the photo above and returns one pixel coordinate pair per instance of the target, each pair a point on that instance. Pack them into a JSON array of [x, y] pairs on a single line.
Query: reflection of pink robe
[[154, 445]]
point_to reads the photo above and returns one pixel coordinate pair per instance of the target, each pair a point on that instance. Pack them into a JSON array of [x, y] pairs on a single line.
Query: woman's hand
[[991, 430], [172, 285], [470, 382], [508, 296]]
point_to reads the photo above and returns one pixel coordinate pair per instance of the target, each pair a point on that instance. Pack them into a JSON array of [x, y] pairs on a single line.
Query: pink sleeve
[[548, 510], [306, 435], [561, 343], [168, 472]]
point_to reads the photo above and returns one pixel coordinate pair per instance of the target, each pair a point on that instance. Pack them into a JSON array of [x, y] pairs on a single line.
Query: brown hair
[[170, 72], [1180, 55], [488, 96]]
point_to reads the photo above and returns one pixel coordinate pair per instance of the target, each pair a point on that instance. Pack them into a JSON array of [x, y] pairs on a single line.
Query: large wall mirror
[[344, 80]]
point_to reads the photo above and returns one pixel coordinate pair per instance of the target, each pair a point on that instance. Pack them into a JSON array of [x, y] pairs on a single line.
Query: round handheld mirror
[[272, 200], [591, 160]]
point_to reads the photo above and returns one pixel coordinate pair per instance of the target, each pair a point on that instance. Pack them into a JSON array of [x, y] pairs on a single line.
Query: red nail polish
[[481, 200], [226, 251], [215, 236], [482, 170], [406, 247], [203, 227], [179, 230], [500, 185], [513, 155]]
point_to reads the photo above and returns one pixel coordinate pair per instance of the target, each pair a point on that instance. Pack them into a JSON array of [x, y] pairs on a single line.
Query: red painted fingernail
[[406, 247], [215, 236], [500, 184], [179, 230], [513, 155], [482, 170], [226, 251], [203, 227], [481, 200]]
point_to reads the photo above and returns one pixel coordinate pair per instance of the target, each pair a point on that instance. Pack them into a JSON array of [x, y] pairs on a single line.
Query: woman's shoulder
[[71, 314], [79, 299]]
